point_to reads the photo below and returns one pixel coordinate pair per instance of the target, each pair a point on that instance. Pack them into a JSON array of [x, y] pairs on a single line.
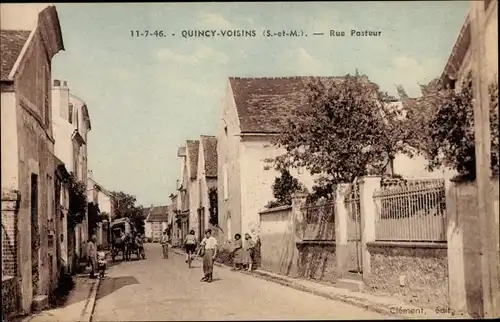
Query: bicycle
[[190, 253]]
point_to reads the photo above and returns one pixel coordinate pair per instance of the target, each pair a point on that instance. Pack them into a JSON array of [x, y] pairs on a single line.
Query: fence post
[[298, 201], [341, 214], [297, 220], [367, 186]]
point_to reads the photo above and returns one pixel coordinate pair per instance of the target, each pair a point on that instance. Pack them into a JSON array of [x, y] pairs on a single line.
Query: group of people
[[243, 254], [96, 259]]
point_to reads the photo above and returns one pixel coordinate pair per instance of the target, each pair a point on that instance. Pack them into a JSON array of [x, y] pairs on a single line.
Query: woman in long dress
[[238, 253], [249, 251]]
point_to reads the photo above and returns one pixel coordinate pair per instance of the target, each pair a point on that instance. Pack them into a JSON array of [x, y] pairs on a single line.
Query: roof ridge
[[285, 77]]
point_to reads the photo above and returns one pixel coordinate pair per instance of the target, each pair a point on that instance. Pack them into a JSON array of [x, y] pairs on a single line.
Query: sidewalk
[[381, 304], [80, 304]]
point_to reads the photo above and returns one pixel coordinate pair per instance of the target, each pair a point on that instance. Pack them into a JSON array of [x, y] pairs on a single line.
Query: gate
[[352, 200]]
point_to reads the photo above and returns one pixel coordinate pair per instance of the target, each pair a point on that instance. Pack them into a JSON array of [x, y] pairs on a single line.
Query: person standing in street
[[92, 255], [208, 247], [238, 253], [250, 251], [164, 244]]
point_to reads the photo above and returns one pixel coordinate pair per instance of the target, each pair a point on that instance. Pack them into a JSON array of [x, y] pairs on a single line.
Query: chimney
[[90, 175], [57, 83]]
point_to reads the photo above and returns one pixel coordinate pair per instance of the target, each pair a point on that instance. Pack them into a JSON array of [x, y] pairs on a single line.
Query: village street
[[158, 289]]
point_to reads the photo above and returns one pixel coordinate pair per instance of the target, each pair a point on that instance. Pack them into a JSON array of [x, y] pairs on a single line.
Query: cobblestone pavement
[[166, 289]]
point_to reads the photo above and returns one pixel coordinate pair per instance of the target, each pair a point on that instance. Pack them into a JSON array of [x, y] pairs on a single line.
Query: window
[[225, 181], [70, 113], [77, 121], [229, 233]]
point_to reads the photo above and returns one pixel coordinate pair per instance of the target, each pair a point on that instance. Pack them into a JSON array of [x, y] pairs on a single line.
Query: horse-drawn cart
[[123, 239]]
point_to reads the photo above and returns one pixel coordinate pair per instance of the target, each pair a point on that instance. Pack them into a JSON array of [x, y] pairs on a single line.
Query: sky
[[147, 95]]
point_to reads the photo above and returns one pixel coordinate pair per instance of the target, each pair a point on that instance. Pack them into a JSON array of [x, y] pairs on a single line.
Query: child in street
[[101, 263]]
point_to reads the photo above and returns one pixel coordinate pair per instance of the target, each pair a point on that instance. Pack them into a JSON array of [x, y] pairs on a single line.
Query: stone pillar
[[454, 237], [298, 201], [367, 186], [341, 214], [297, 219]]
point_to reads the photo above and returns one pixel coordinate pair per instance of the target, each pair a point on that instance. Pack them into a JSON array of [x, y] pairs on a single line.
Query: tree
[[213, 201], [442, 122], [283, 188], [77, 201], [346, 128], [93, 217], [125, 205]]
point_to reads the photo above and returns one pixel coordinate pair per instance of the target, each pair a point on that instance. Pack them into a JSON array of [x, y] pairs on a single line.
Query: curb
[[90, 306]]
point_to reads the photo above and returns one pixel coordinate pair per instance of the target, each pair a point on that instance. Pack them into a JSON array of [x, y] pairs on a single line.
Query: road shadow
[[112, 284]]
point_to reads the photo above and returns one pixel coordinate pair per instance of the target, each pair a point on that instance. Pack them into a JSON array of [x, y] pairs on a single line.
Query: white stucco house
[[188, 189], [71, 124], [251, 112], [206, 180], [157, 220], [100, 196]]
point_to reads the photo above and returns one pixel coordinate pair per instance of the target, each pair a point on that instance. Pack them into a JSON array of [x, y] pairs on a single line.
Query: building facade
[[158, 221], [206, 182], [71, 124], [28, 163], [103, 199]]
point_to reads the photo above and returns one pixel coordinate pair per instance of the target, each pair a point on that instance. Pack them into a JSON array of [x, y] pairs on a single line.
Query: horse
[[120, 244], [132, 246]]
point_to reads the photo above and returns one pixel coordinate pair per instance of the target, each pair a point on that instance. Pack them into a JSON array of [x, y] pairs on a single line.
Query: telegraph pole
[[489, 227]]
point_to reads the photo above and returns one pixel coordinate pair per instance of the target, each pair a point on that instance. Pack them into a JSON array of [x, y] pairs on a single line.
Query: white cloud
[[202, 54], [304, 64], [409, 72], [214, 20]]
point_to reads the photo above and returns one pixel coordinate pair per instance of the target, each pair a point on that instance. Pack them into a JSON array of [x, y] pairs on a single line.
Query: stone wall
[[318, 261], [277, 240], [415, 273], [9, 297]]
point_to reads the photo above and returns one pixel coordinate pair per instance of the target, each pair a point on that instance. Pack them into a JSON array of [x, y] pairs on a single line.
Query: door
[[201, 223]]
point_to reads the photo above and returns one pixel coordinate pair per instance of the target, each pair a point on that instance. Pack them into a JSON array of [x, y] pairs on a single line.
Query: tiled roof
[[12, 42], [192, 149], [158, 213], [459, 51], [210, 155], [262, 103]]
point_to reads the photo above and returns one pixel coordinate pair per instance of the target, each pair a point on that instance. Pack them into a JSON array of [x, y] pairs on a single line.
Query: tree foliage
[[442, 127], [94, 217], [344, 129], [77, 200], [283, 188], [125, 205], [213, 204]]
